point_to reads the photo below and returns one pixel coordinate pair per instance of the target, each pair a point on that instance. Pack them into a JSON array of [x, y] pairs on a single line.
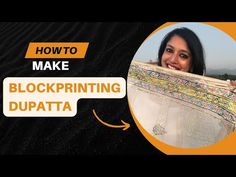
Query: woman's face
[[177, 55]]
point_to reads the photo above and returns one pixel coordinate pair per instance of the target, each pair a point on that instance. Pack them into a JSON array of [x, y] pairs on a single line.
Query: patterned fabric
[[179, 108], [212, 94]]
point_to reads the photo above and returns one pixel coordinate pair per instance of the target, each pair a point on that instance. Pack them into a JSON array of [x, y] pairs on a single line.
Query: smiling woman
[[171, 97], [182, 50]]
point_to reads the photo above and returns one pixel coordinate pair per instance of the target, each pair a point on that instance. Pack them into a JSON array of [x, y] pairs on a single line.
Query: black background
[[112, 46]]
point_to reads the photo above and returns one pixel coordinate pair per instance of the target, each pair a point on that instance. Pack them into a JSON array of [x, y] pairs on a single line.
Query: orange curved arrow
[[125, 125]]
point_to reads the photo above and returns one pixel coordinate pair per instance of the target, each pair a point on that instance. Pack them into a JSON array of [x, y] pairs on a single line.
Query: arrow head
[[126, 125]]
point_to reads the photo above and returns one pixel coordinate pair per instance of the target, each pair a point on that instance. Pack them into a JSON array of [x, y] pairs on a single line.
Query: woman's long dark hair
[[194, 45]]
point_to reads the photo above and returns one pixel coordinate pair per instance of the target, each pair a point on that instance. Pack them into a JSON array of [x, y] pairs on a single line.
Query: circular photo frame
[[180, 87]]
